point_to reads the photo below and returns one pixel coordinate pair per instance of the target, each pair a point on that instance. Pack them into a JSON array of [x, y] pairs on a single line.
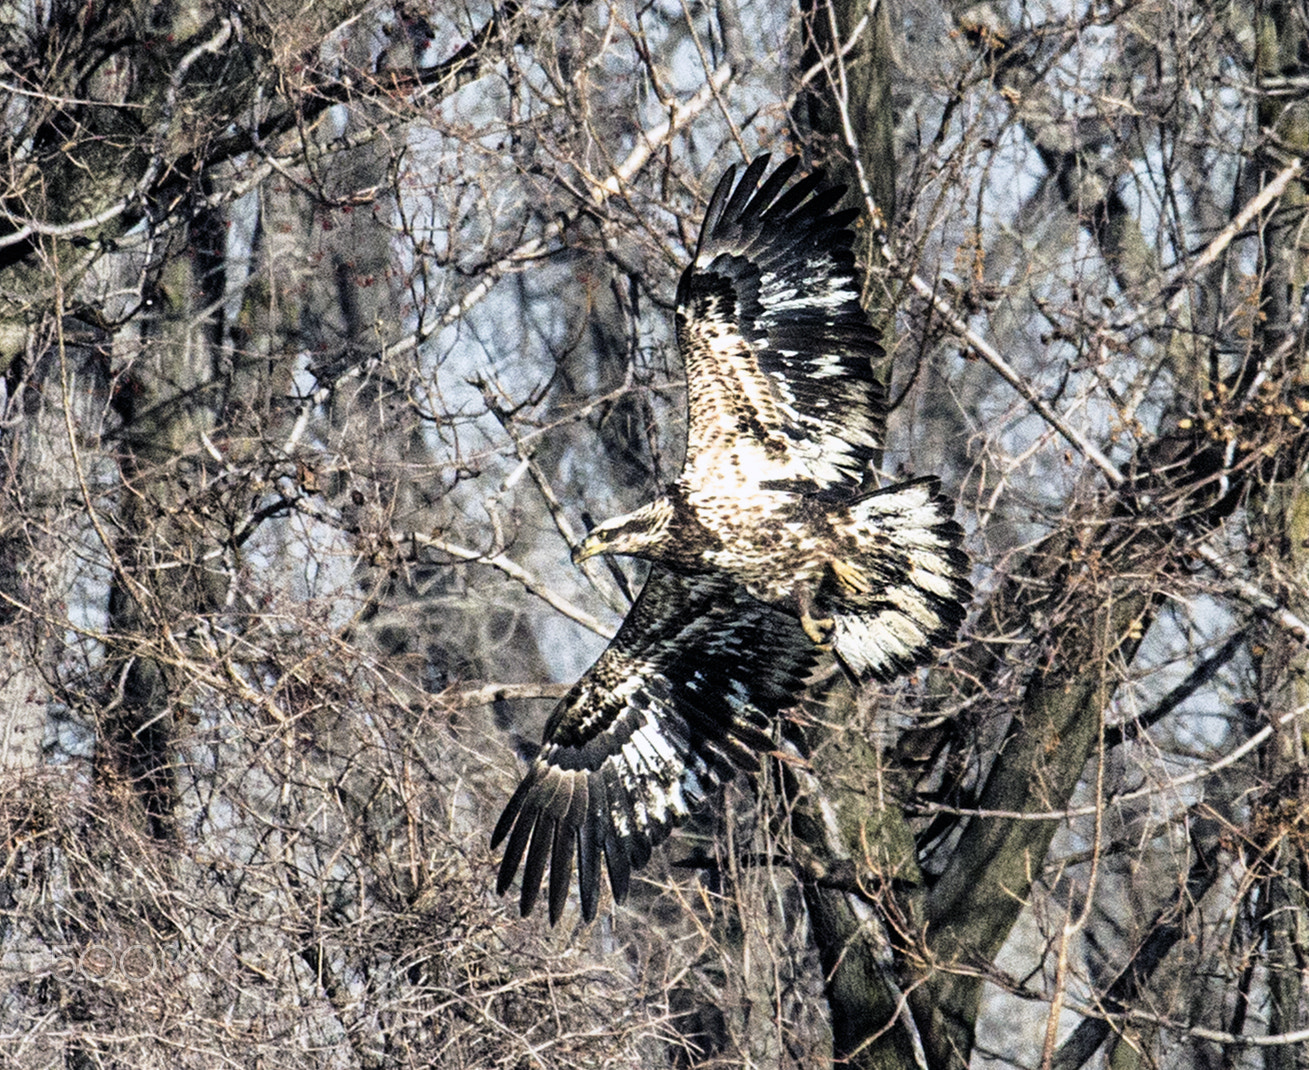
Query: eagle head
[[639, 534]]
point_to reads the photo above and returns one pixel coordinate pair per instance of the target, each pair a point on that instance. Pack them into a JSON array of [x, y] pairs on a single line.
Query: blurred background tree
[[325, 328]]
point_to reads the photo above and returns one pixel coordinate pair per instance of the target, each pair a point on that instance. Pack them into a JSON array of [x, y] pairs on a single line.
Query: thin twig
[[1263, 602], [992, 356], [516, 572], [1176, 286], [601, 191], [484, 694], [28, 227], [1208, 770], [609, 591]]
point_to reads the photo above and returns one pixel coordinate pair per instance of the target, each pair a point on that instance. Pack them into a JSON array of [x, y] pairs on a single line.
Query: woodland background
[[324, 329]]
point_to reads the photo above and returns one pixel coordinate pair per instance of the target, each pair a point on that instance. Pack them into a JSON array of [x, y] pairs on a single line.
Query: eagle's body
[[877, 574], [775, 541]]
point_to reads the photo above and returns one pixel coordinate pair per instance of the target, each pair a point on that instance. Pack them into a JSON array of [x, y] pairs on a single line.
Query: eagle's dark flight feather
[[685, 692]]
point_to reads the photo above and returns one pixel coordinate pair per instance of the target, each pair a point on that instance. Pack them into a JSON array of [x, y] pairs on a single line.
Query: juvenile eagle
[[776, 541]]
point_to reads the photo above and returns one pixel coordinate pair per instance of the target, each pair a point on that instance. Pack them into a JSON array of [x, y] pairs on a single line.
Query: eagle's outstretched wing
[[685, 691], [777, 348]]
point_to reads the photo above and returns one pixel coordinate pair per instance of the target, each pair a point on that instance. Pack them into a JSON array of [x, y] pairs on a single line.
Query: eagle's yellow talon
[[851, 578], [819, 629]]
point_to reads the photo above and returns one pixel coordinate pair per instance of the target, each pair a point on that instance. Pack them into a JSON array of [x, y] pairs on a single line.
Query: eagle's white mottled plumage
[[776, 536]]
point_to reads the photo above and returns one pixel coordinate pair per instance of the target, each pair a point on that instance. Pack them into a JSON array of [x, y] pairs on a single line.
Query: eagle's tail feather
[[904, 597]]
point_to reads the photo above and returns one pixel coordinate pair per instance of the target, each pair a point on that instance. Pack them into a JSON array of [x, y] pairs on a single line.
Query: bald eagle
[[776, 542]]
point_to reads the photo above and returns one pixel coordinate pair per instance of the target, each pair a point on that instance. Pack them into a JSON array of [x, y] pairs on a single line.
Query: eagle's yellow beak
[[588, 547]]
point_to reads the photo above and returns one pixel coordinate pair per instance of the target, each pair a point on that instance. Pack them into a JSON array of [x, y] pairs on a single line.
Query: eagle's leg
[[819, 629]]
